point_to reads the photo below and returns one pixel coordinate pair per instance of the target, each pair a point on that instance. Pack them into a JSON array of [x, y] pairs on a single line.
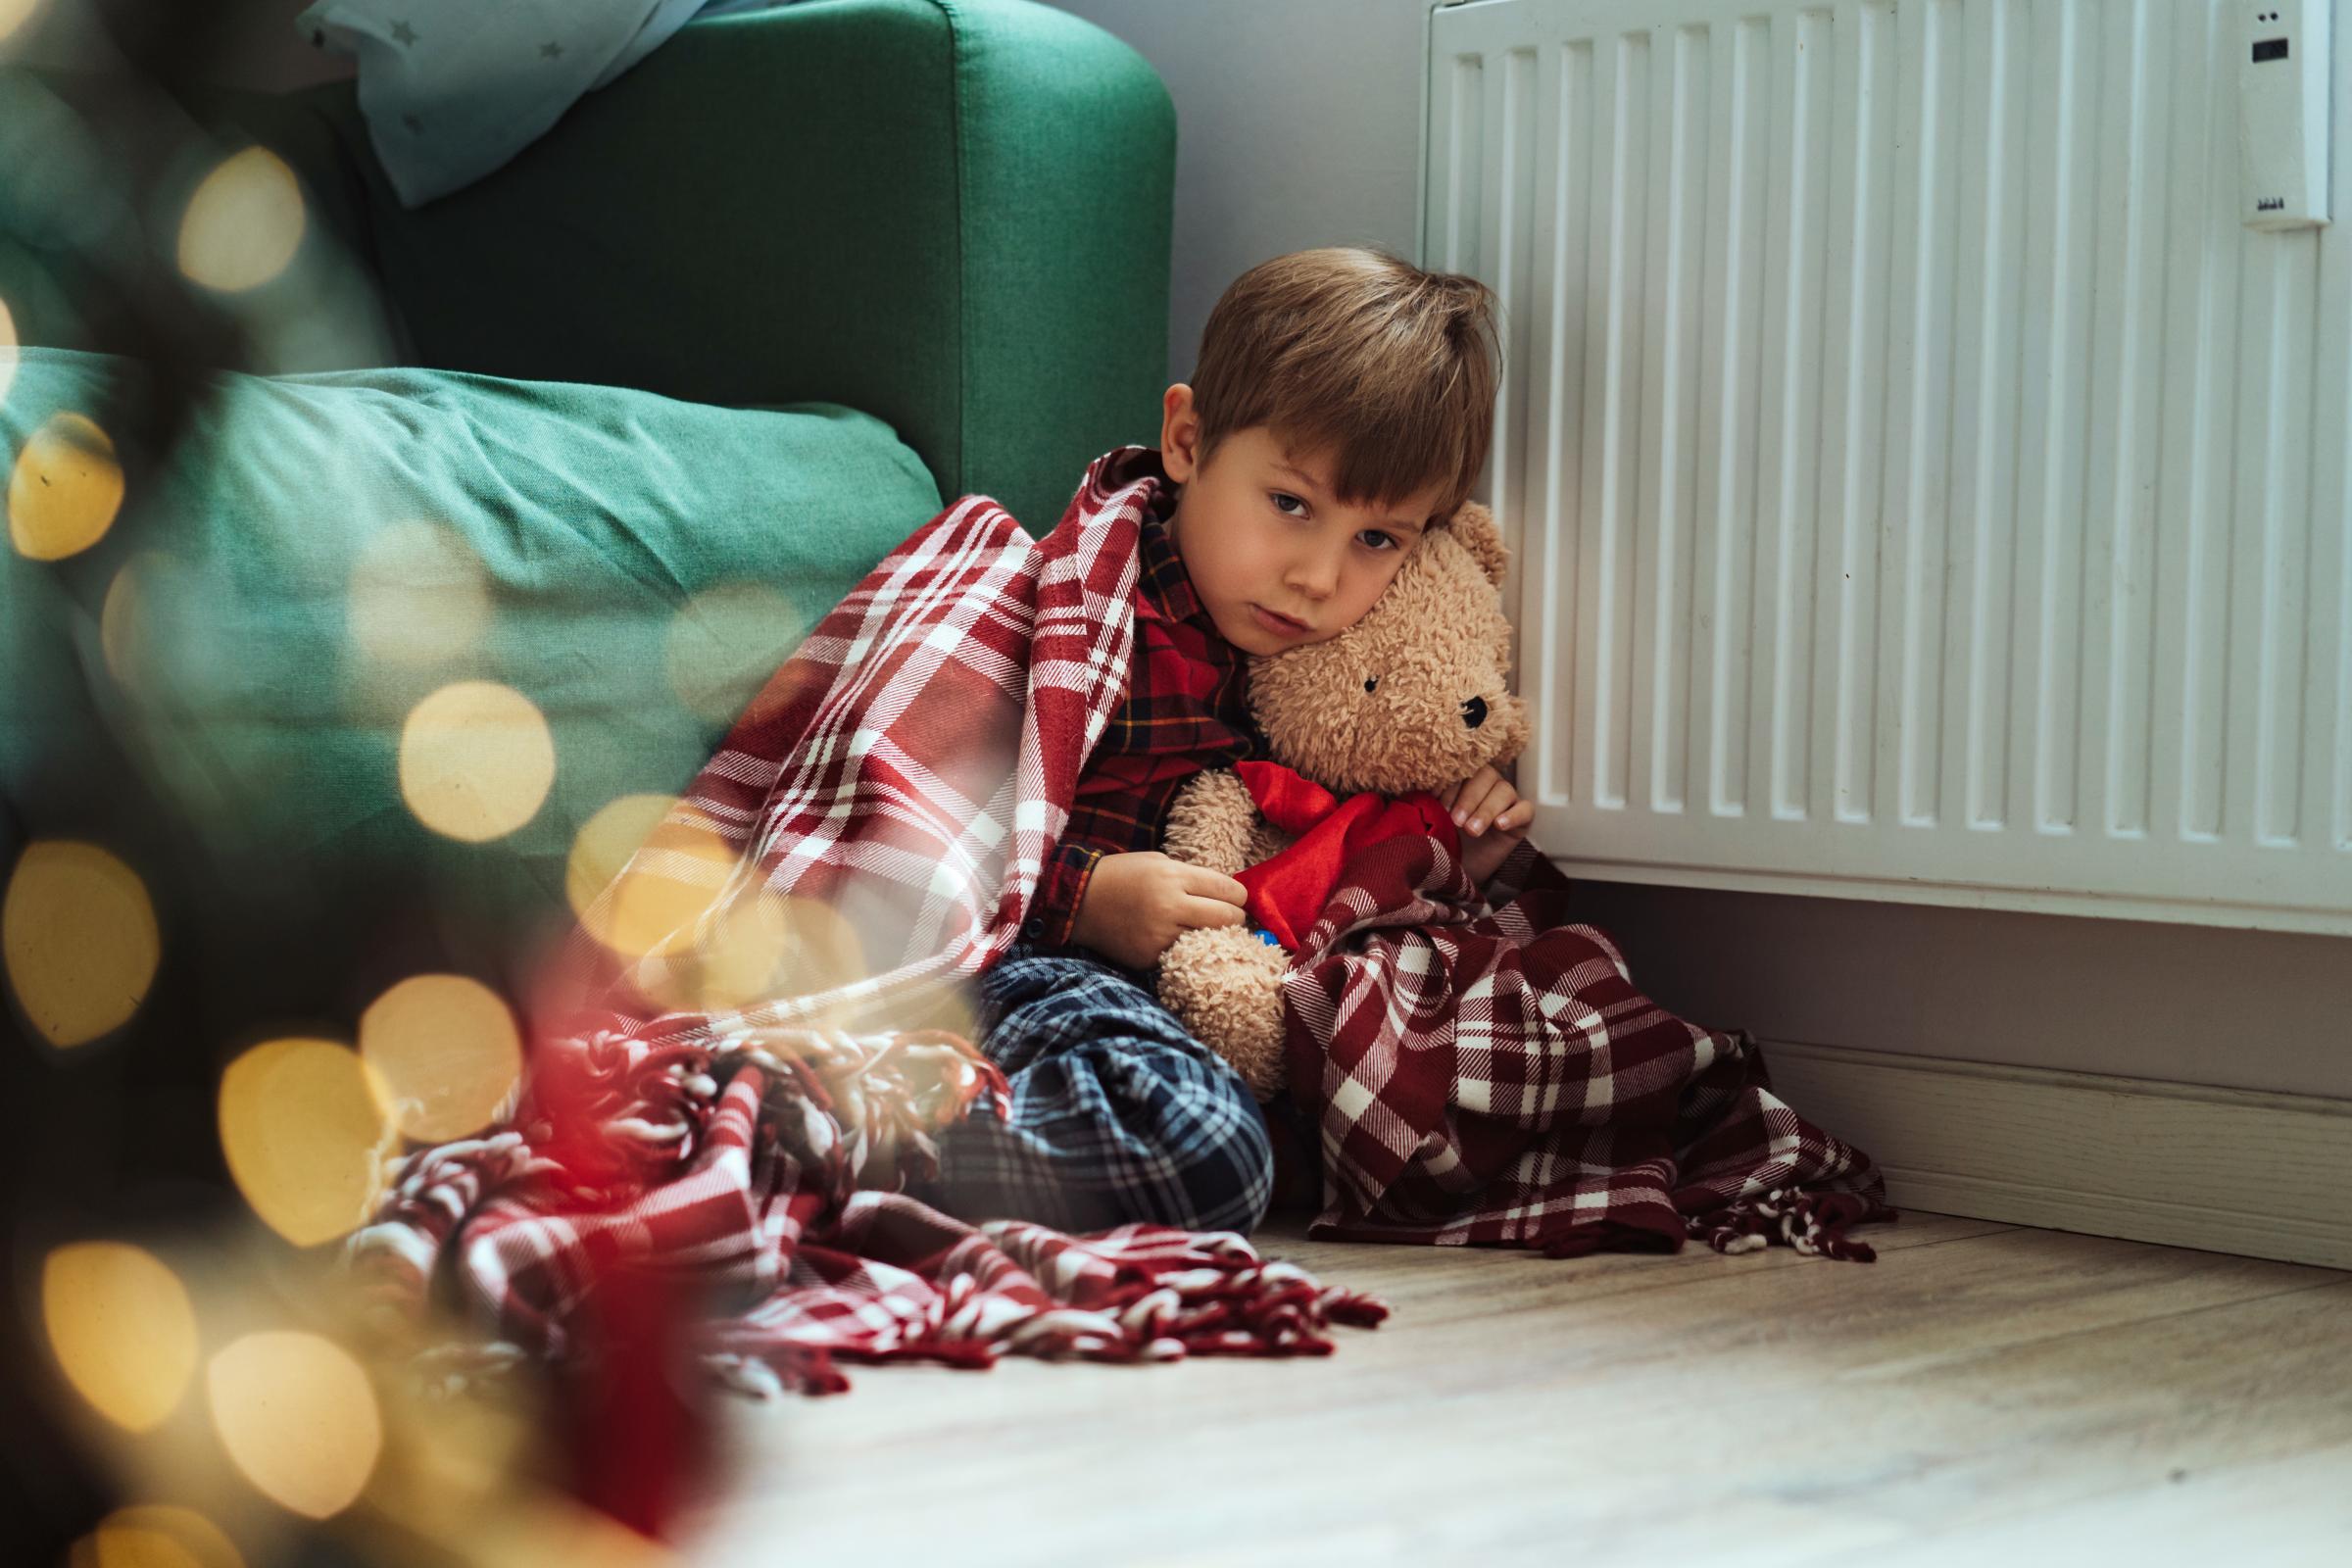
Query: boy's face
[[1276, 559]]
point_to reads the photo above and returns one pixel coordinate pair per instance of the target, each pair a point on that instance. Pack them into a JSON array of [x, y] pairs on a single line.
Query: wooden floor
[[1982, 1395]]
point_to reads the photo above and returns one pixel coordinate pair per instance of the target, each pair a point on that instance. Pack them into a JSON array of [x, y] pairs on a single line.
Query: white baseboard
[[2226, 1170]]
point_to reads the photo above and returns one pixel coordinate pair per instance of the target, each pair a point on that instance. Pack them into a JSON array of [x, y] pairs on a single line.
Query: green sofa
[[610, 430]]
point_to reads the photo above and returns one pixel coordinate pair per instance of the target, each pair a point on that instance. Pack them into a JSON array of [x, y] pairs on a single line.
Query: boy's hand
[[1485, 800], [1492, 816], [1483, 857], [1136, 905]]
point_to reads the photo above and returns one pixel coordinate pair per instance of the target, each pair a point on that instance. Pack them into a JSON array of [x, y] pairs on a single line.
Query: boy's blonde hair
[[1352, 350]]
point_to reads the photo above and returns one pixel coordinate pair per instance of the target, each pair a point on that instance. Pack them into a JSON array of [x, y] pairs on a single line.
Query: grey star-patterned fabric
[[451, 90]]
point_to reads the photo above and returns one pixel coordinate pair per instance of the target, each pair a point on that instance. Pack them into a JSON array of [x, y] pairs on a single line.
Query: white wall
[[1296, 125]]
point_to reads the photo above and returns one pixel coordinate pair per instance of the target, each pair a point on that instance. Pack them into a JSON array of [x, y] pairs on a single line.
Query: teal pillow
[[238, 681]]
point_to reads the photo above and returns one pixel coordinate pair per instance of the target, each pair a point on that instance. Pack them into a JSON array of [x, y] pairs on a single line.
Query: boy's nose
[[1474, 711], [1317, 579]]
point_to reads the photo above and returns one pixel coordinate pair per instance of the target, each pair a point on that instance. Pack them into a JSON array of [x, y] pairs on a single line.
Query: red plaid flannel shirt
[[1186, 710]]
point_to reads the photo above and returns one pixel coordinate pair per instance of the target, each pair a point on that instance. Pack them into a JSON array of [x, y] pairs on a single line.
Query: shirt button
[[1032, 928]]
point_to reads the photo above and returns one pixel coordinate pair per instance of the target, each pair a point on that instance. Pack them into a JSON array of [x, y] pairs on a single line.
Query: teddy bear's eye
[[1371, 681]]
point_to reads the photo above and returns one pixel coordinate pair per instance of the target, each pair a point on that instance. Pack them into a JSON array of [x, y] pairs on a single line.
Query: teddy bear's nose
[[1474, 711]]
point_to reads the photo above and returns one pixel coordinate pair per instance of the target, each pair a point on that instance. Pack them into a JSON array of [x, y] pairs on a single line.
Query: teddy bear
[[1361, 728]]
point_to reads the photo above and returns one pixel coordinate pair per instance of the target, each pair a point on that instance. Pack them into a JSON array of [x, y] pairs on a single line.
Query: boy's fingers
[[1470, 792], [1209, 884], [1481, 811], [1212, 913]]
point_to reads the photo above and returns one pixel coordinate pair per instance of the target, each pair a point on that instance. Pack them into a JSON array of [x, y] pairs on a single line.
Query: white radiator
[[1924, 487]]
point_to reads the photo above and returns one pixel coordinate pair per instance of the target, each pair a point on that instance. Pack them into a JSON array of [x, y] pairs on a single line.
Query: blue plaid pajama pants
[[1118, 1114]]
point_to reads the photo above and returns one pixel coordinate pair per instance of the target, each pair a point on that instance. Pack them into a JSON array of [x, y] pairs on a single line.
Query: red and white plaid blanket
[[865, 842], [1492, 1075], [773, 1030]]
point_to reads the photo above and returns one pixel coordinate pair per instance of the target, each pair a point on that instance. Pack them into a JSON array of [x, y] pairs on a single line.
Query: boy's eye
[[1372, 537]]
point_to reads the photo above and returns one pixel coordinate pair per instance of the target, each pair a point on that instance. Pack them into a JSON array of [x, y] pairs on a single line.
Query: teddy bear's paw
[[1211, 822], [1224, 984]]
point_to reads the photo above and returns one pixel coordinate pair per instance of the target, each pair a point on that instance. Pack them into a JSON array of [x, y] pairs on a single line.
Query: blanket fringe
[[1260, 1308], [1812, 1223], [1263, 1308]]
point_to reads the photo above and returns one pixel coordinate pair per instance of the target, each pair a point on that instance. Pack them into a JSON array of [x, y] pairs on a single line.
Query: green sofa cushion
[[315, 555], [954, 215]]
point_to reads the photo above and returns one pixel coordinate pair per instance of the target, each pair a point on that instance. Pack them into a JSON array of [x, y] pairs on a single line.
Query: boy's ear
[[1475, 527], [1179, 432]]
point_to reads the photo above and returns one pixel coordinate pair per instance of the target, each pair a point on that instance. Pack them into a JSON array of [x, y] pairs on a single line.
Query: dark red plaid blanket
[[1492, 1075]]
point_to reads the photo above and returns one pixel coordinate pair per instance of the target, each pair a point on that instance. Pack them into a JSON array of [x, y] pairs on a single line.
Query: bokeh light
[[417, 595], [652, 882], [80, 940], [304, 1137], [443, 1051], [658, 896], [65, 489], [950, 1008], [244, 222], [445, 1459], [724, 644], [122, 1329], [771, 946], [739, 957], [13, 15], [124, 631], [298, 1417], [530, 1527], [548, 1527], [8, 323], [476, 760], [156, 1535]]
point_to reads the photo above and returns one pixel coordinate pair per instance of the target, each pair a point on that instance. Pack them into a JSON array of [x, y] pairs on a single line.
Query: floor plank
[[1629, 1408], [2294, 1512]]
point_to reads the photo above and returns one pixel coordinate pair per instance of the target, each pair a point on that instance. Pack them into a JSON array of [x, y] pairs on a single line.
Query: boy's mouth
[[1280, 625]]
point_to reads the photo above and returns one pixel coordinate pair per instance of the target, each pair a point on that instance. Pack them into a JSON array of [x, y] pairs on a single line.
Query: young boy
[[1341, 407]]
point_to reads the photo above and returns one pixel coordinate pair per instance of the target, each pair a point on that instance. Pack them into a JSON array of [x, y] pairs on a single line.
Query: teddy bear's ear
[[1474, 525]]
